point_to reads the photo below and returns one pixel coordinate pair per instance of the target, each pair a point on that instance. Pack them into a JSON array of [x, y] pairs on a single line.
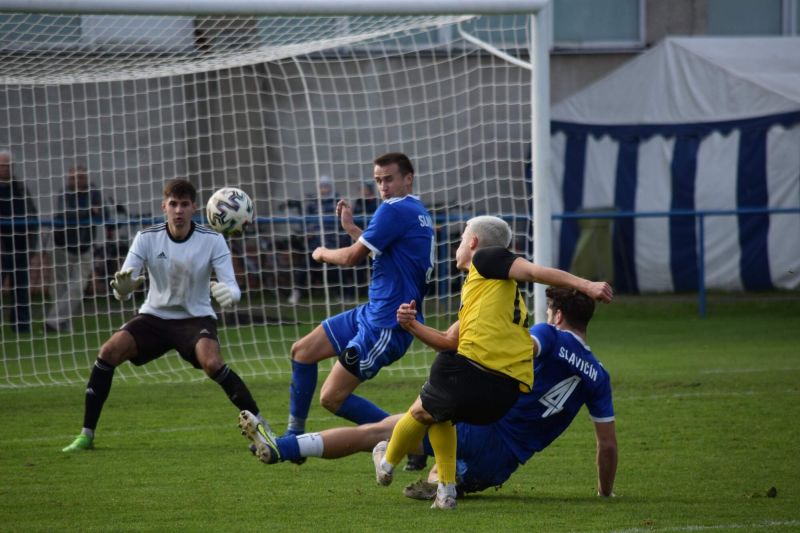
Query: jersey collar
[[188, 235]]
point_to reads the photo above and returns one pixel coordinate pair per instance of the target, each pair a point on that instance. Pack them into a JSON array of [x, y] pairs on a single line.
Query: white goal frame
[[539, 65]]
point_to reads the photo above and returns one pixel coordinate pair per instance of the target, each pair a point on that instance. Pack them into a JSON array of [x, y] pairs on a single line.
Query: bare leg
[[341, 442]]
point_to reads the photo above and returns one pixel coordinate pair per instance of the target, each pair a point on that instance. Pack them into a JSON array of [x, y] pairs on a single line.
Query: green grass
[[708, 420]]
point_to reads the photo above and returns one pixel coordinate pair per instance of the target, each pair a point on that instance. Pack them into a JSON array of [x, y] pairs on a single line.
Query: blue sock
[[288, 448], [360, 410], [301, 392]]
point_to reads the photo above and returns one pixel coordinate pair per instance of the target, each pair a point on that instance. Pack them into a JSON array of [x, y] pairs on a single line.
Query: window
[[599, 24], [42, 32], [754, 17], [745, 17]]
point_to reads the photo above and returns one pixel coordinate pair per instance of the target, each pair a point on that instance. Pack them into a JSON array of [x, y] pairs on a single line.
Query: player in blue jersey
[[568, 376], [179, 257], [400, 239]]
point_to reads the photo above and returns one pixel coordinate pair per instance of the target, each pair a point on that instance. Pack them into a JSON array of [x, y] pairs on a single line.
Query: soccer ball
[[229, 210]]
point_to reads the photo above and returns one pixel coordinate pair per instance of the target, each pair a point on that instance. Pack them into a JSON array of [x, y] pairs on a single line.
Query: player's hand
[[221, 293], [124, 283], [407, 314], [600, 290], [316, 255], [343, 207], [345, 213]]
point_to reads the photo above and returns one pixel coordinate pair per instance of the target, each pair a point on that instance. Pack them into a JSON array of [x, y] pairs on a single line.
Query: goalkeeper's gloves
[[124, 284], [221, 293]]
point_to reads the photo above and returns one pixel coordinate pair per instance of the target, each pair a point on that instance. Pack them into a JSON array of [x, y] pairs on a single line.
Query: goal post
[[290, 101]]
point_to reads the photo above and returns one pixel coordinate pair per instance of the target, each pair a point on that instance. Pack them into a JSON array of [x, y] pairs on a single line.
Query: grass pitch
[[708, 421]]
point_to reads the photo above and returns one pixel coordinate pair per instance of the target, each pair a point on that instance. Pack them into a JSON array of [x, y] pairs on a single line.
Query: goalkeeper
[[177, 314]]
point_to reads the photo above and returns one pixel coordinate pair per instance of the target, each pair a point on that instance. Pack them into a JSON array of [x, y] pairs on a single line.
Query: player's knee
[[212, 368], [296, 350], [331, 402], [114, 352], [301, 353], [108, 354], [420, 414]]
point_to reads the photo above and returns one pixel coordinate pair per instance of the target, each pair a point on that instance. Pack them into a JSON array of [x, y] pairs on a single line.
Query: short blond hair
[[490, 231]]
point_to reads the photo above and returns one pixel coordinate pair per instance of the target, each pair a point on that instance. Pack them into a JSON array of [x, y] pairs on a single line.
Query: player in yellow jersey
[[486, 355]]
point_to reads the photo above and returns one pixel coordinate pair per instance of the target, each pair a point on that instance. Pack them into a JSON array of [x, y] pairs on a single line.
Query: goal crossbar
[[275, 8]]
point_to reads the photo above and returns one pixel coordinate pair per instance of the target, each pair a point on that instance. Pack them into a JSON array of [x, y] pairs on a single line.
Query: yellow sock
[[406, 437], [443, 442]]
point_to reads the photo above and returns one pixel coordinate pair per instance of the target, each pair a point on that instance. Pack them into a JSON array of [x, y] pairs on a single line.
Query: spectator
[[79, 209], [16, 238], [109, 256], [368, 203]]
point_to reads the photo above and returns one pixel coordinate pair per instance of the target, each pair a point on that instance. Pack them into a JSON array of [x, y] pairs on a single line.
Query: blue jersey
[[566, 376], [400, 236]]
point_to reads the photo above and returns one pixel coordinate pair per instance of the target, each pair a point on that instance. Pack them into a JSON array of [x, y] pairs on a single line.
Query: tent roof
[[694, 79]]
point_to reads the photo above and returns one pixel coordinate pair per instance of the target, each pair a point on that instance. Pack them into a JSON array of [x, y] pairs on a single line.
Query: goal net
[[290, 109]]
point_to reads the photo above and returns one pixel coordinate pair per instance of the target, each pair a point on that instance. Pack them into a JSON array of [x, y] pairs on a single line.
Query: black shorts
[[461, 391], [156, 336]]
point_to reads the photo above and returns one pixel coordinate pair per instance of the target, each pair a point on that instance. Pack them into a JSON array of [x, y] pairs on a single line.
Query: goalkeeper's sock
[[443, 441], [97, 390], [237, 391], [406, 437], [301, 392], [360, 410]]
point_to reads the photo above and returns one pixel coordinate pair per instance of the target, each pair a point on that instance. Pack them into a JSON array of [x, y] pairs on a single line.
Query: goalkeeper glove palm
[[124, 283]]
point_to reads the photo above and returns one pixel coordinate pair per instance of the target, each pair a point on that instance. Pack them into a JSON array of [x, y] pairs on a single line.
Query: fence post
[[701, 262]]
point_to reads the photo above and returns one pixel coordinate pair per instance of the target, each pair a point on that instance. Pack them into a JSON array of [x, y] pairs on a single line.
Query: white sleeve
[[135, 260], [223, 267]]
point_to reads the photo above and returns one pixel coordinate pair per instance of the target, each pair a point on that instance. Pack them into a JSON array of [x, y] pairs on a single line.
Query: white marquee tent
[[704, 124]]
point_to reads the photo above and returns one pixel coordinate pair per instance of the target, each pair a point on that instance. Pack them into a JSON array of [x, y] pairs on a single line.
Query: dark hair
[[403, 162], [575, 305], [179, 188]]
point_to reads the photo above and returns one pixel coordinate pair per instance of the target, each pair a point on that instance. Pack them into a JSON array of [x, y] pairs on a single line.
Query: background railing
[[699, 217]]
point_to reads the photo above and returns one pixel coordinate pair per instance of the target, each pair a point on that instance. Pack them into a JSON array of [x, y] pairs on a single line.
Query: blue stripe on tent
[[619, 132], [624, 199], [751, 191], [682, 238], [572, 192]]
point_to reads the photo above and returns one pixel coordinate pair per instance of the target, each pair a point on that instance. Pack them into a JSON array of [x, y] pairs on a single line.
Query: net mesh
[[292, 110]]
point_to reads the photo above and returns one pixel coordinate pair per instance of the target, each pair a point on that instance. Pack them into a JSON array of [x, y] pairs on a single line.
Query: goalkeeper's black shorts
[[156, 336]]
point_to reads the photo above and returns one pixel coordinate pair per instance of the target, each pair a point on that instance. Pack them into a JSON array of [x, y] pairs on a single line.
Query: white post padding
[[540, 156]]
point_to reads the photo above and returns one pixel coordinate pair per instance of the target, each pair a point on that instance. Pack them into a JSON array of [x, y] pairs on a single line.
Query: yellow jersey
[[493, 318]]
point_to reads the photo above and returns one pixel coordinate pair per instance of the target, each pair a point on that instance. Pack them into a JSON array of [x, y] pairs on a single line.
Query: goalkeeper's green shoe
[[81, 442]]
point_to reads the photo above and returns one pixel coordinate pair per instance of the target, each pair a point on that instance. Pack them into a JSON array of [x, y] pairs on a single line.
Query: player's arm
[[525, 271], [345, 213], [225, 290], [129, 277], [348, 256], [438, 340], [606, 437]]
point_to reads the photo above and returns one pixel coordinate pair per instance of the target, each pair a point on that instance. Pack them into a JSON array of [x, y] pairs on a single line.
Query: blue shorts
[[483, 459], [363, 349]]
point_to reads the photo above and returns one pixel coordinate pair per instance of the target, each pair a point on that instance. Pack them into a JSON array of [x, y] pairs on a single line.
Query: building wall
[[572, 71]]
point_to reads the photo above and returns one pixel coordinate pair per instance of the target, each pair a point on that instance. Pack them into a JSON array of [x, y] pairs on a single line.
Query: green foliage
[[707, 420]]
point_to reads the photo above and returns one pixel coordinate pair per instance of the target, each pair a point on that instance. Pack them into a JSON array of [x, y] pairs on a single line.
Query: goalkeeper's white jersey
[[179, 272]]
